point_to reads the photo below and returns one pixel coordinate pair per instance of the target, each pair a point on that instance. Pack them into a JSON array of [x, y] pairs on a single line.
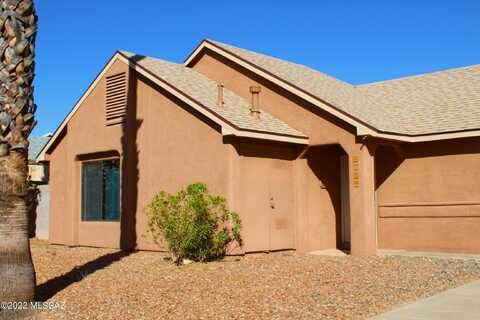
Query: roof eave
[[429, 136]]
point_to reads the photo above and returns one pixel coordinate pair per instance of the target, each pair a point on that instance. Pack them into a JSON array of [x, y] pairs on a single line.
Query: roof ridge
[[377, 106], [343, 81], [333, 91], [215, 42], [420, 75], [131, 54]]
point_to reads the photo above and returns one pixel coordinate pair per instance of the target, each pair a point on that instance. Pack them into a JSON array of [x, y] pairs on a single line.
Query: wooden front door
[[266, 193]]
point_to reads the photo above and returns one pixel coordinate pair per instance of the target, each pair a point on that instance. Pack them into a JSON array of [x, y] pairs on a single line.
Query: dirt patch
[[108, 284]]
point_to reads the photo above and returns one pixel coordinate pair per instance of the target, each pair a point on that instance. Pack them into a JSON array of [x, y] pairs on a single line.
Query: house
[[38, 176], [308, 161]]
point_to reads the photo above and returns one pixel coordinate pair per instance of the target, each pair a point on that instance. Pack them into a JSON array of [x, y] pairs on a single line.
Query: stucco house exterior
[[308, 161]]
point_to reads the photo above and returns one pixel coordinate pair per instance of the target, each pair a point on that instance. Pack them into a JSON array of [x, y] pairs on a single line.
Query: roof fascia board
[[429, 137], [264, 136]]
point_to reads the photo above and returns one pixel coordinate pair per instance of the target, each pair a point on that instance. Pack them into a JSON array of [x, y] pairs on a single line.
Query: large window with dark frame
[[101, 190]]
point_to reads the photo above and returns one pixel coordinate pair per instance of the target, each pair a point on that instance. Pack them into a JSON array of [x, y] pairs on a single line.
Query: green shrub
[[194, 224]]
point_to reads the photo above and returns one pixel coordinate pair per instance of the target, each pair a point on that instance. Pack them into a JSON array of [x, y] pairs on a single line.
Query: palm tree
[[17, 46]]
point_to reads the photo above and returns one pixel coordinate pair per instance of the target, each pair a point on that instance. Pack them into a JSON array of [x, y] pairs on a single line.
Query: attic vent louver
[[116, 98]]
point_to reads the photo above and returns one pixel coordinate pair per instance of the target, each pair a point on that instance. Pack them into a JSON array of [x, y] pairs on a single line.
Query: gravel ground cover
[[108, 284]]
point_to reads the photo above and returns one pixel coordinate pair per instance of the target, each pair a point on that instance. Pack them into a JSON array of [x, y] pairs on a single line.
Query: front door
[[266, 194], [280, 205]]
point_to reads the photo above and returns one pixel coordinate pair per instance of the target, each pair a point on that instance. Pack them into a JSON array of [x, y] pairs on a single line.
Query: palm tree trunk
[[17, 50], [16, 269]]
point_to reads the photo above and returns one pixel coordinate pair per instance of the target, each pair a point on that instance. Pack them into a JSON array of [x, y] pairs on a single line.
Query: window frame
[[82, 199]]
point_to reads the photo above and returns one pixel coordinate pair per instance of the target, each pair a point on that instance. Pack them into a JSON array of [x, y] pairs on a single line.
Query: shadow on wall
[[129, 196], [130, 171], [387, 160], [324, 162], [443, 148], [260, 149], [33, 196], [53, 286]]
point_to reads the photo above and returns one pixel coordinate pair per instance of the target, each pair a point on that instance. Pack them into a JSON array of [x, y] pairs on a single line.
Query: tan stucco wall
[[59, 229], [168, 146], [172, 149], [175, 148], [86, 134], [428, 196], [322, 129]]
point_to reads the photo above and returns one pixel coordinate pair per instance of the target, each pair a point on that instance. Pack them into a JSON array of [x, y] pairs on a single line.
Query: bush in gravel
[[194, 224]]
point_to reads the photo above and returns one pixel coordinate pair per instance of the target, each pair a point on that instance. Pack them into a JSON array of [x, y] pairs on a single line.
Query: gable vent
[[116, 98]]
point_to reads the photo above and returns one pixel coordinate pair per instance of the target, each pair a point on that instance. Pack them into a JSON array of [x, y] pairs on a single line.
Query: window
[[101, 190]]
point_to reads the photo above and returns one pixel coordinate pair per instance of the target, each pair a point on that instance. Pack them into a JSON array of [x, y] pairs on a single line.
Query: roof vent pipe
[[255, 108], [220, 101]]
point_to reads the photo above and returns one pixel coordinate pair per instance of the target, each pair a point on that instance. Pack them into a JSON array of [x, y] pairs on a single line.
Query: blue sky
[[355, 41]]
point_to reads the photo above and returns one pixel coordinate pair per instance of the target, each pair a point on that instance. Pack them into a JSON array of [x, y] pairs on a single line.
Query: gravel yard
[[107, 284]]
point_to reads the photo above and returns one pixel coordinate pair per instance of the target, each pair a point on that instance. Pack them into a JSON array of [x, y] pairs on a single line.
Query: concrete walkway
[[445, 255], [328, 253], [460, 303]]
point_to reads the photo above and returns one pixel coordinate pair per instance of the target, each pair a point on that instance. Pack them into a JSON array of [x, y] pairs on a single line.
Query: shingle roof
[[435, 102], [427, 104], [195, 85], [36, 145]]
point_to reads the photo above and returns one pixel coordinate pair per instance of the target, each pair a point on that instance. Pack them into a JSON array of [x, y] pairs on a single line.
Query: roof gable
[[373, 110], [200, 93], [236, 110], [335, 92]]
